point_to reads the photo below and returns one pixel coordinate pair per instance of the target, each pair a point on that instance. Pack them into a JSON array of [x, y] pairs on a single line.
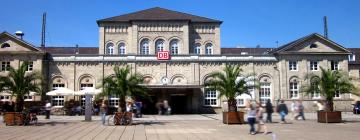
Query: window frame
[[145, 47], [5, 98], [264, 92], [197, 48], [174, 46], [313, 64], [294, 91], [5, 65], [210, 98], [293, 66], [110, 48], [114, 100], [209, 49], [159, 45], [30, 67], [122, 48], [334, 65], [57, 101]]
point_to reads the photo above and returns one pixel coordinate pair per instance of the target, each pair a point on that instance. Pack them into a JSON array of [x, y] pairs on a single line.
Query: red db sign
[[164, 55]]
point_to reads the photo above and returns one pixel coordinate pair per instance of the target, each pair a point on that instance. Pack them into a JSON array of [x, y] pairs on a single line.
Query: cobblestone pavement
[[181, 127]]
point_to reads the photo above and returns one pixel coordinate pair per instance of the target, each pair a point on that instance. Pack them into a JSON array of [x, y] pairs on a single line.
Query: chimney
[[19, 34]]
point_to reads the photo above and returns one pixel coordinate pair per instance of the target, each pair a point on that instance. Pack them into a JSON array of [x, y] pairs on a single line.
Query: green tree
[[328, 84], [230, 83], [124, 84], [19, 82]]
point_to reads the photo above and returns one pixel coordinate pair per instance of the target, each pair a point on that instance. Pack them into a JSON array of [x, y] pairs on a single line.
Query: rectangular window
[[294, 90], [293, 66], [114, 101], [240, 102], [57, 100], [337, 94], [352, 57], [56, 86], [315, 95], [30, 66], [5, 66], [314, 65], [334, 65], [264, 92], [211, 98], [28, 98], [4, 98]]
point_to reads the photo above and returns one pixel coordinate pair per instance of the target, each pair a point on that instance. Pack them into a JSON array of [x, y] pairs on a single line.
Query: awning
[[61, 92], [174, 86], [89, 90]]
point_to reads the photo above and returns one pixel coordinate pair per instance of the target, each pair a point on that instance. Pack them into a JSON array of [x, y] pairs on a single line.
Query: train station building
[[190, 48]]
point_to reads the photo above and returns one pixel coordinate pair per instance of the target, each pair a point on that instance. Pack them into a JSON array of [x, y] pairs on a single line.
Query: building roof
[[245, 51], [300, 40], [72, 50], [156, 14], [19, 40], [356, 52]]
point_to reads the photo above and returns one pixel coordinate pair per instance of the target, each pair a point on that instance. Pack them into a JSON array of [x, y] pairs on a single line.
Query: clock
[[164, 80]]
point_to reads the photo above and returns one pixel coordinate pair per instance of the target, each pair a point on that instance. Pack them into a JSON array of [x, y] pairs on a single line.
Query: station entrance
[[180, 100]]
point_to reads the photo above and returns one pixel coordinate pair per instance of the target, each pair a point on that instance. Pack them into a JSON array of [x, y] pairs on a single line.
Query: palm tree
[[123, 84], [230, 83], [328, 84], [20, 83]]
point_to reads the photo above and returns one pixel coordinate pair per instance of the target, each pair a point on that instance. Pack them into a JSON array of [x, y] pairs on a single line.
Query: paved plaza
[[181, 127]]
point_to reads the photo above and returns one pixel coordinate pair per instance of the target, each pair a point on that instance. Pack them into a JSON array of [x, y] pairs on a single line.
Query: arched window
[[197, 48], [5, 45], [159, 45], [265, 89], [174, 46], [144, 46], [122, 48], [86, 81], [294, 88], [110, 48], [208, 48], [57, 82]]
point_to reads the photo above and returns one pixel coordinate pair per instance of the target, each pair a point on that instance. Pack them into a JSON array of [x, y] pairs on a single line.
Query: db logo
[[164, 55]]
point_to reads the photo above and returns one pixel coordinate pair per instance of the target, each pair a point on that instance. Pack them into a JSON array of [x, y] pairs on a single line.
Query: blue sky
[[246, 22]]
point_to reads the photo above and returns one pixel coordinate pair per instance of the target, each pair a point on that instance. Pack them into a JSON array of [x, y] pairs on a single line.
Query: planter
[[13, 118], [233, 118], [329, 117], [123, 119]]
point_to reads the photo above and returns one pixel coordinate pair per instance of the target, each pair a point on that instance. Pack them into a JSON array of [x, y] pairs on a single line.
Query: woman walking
[[259, 115], [251, 118], [103, 110]]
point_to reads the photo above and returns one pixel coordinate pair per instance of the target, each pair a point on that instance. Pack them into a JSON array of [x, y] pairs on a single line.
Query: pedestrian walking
[[320, 105], [259, 116], [300, 110], [282, 110], [251, 117], [269, 111], [47, 109], [103, 110]]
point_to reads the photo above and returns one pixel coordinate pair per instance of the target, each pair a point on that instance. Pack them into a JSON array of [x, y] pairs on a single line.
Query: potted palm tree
[[329, 83], [231, 83], [19, 82], [123, 85]]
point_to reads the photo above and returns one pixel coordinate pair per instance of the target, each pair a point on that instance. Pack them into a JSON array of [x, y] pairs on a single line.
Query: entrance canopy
[[61, 92]]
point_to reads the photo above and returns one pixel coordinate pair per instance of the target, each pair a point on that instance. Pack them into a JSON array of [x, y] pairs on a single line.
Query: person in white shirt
[[47, 109]]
